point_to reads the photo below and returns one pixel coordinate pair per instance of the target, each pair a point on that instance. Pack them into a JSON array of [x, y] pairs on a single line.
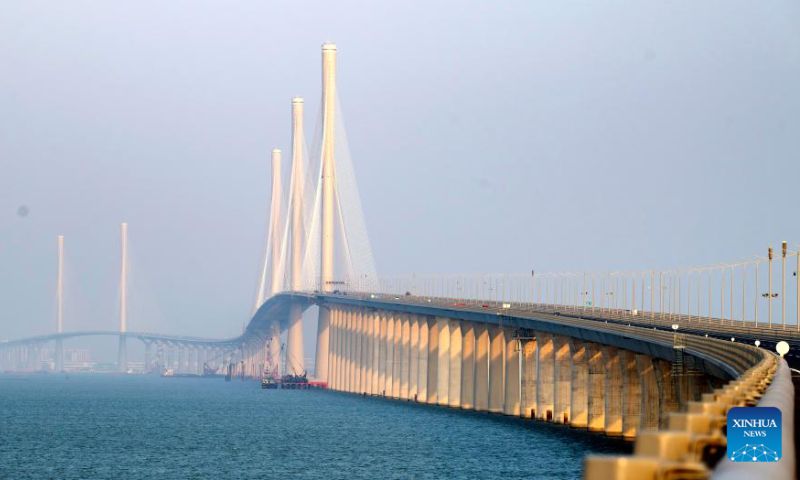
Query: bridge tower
[[59, 352], [122, 361], [294, 335], [276, 273], [328, 199]]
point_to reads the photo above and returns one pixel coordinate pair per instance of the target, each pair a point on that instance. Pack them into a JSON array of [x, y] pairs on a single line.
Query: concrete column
[[181, 359], [468, 366], [649, 406], [405, 347], [613, 392], [323, 337], [667, 391], [398, 355], [122, 354], [58, 355], [579, 400], [413, 366], [563, 378], [433, 361], [511, 403], [355, 385], [545, 377], [597, 388], [202, 358], [389, 354], [631, 395], [382, 353], [348, 351], [350, 348], [341, 321], [375, 387], [333, 361], [366, 353], [482, 367], [455, 361], [328, 197], [496, 369], [358, 370], [344, 330], [192, 360], [529, 378], [295, 355], [443, 371], [331, 353], [422, 353]]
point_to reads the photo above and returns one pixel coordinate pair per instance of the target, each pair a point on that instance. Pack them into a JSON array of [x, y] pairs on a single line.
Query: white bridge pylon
[[317, 238]]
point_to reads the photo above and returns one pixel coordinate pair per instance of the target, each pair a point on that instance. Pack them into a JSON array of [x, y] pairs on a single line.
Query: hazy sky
[[486, 137]]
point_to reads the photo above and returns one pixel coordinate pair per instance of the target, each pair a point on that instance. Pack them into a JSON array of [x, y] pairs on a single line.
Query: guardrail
[[694, 441]]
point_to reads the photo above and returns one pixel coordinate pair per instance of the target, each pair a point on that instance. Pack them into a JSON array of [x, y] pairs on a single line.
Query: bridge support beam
[[323, 327], [122, 354], [650, 395], [455, 363], [668, 395], [383, 343], [468, 366], [443, 359], [413, 365], [496, 369], [358, 367], [563, 380], [58, 354], [397, 362], [511, 404], [482, 342], [422, 352], [529, 378], [579, 400], [405, 352], [295, 356], [350, 362], [545, 377], [596, 387], [613, 394], [433, 361], [375, 321], [631, 395]]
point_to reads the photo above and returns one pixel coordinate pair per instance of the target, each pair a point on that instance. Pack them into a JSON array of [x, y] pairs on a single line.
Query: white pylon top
[[329, 46], [276, 150], [297, 100]]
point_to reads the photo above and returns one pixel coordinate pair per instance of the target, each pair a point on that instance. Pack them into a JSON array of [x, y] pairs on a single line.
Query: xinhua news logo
[[754, 434]]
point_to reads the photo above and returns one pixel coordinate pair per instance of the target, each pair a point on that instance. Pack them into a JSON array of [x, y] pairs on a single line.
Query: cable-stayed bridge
[[653, 356]]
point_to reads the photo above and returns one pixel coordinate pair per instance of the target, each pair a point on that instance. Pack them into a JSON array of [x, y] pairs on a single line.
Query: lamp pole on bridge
[[783, 284], [769, 290]]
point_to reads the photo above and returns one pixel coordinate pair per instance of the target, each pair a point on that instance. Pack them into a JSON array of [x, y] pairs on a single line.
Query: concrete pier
[[496, 369], [488, 368]]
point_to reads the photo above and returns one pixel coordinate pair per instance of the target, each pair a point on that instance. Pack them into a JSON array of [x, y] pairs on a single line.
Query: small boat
[[268, 383], [168, 372]]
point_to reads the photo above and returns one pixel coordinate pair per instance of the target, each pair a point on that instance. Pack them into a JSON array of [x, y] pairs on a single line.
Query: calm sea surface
[[84, 426]]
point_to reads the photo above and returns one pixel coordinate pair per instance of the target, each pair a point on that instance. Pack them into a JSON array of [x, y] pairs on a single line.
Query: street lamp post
[[769, 290], [755, 306], [783, 284]]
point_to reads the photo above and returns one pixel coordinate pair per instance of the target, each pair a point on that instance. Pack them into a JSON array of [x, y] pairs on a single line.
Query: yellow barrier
[[693, 441]]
